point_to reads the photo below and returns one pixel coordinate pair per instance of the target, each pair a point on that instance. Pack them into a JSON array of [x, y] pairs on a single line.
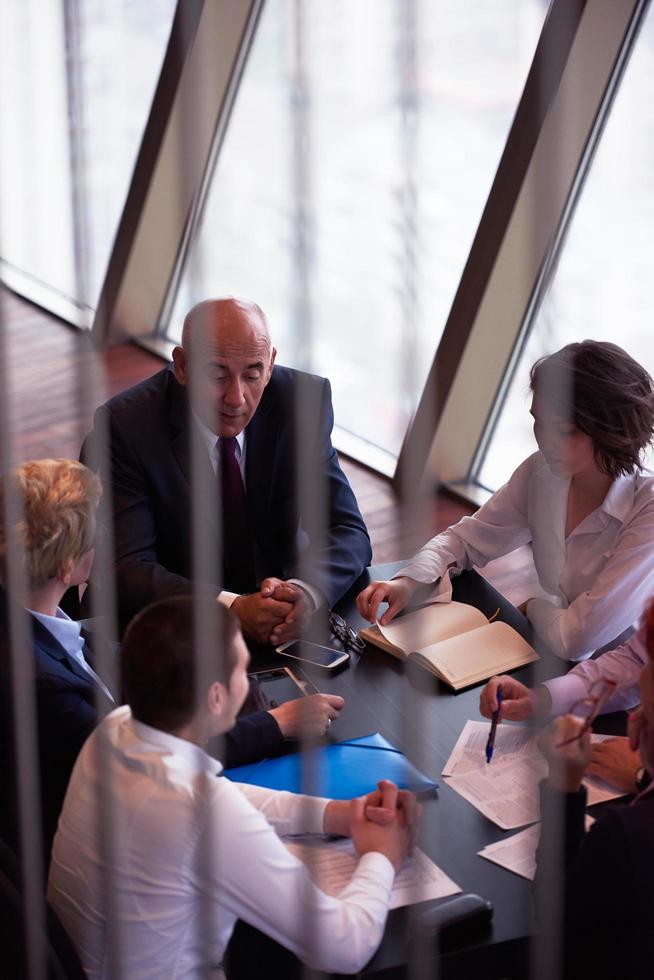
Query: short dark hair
[[163, 674], [606, 394]]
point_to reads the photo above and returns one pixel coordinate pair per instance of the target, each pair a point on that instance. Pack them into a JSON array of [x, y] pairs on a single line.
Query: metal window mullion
[[579, 53], [550, 264], [207, 52]]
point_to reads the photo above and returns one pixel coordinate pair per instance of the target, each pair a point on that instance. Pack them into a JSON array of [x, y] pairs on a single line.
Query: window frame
[[579, 61]]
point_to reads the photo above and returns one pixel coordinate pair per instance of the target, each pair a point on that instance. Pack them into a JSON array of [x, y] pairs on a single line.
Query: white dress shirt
[[68, 632], [194, 852], [598, 578], [622, 665], [212, 443]]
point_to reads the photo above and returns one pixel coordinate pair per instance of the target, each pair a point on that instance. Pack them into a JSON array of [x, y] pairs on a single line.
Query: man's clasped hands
[[278, 612], [385, 821]]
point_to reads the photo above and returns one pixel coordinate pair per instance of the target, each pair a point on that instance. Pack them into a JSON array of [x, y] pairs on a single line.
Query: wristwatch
[[642, 779]]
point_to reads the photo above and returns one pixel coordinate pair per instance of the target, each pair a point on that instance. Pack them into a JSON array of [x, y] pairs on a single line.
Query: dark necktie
[[237, 539]]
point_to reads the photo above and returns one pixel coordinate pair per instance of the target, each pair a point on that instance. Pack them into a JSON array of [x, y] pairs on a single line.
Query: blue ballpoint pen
[[490, 744]]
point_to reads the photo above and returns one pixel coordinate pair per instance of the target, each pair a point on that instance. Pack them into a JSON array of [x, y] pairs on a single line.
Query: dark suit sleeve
[[338, 547], [65, 720], [141, 578], [253, 737], [576, 873]]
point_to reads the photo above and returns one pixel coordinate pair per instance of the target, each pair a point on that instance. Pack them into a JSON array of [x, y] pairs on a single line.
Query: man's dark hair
[[606, 394], [172, 651]]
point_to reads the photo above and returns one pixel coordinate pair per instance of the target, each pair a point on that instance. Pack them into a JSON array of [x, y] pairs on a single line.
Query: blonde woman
[[54, 542]]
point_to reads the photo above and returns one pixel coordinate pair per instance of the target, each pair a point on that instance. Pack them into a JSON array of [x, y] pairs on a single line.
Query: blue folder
[[339, 771]]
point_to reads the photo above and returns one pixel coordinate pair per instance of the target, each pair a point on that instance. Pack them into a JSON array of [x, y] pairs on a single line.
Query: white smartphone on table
[[313, 654]]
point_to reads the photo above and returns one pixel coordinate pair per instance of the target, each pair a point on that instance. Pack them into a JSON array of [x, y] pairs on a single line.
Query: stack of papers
[[506, 790], [331, 864]]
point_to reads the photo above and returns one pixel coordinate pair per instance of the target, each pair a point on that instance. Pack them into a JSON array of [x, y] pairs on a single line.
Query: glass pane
[[603, 288], [121, 47], [73, 104], [36, 216], [360, 153]]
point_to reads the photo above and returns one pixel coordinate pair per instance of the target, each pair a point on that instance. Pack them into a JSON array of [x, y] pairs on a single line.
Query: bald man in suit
[[274, 508]]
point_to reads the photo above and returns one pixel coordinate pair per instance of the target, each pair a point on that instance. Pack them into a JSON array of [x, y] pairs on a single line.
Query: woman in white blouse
[[583, 501]]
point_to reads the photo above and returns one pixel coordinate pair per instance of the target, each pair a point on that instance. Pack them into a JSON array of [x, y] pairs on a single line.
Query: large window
[[77, 81], [121, 48], [36, 216], [603, 288], [361, 150]]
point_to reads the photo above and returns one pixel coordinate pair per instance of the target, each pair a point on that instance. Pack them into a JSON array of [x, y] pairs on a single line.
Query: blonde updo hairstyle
[[56, 500]]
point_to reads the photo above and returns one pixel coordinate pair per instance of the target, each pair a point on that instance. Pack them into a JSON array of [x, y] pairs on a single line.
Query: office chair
[[62, 962]]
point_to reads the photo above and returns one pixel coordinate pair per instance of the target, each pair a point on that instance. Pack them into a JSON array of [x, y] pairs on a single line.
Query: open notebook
[[454, 641]]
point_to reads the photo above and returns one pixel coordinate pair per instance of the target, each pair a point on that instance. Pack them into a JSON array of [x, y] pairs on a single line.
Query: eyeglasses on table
[[348, 637]]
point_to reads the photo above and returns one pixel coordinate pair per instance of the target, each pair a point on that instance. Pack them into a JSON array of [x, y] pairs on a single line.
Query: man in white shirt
[[156, 855]]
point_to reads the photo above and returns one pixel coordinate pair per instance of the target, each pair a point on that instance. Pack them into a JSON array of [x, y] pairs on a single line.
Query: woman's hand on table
[[397, 592]]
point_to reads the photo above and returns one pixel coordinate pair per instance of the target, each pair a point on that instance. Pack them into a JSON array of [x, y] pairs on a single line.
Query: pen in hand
[[490, 744]]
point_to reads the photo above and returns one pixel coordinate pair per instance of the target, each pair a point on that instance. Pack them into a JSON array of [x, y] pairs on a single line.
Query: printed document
[[331, 864], [506, 789], [518, 852]]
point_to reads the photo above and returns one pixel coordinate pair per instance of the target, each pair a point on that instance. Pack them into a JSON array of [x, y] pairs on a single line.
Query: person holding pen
[[604, 908], [612, 759], [583, 501], [495, 718]]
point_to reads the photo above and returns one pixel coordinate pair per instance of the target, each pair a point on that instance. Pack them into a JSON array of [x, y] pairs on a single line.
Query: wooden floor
[[54, 380]]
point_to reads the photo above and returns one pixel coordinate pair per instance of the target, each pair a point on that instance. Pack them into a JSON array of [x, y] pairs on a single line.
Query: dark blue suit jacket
[[302, 511], [69, 704]]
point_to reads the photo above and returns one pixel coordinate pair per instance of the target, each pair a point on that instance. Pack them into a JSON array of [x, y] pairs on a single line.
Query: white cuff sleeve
[[226, 598], [314, 594], [375, 865], [565, 691], [309, 815], [441, 591], [289, 813]]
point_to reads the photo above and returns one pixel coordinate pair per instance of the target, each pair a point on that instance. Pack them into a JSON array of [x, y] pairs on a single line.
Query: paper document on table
[[506, 790], [511, 742], [331, 864], [518, 852]]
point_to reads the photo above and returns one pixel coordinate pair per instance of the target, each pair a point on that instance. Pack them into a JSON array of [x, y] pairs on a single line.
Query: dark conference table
[[424, 718]]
